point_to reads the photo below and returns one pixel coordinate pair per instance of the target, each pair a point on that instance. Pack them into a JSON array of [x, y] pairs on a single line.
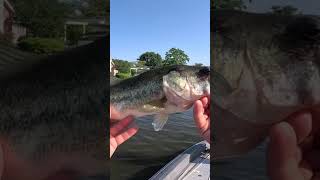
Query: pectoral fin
[[159, 121]]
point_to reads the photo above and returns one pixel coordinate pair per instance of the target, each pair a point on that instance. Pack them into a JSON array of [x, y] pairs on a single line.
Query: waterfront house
[[113, 70], [7, 23]]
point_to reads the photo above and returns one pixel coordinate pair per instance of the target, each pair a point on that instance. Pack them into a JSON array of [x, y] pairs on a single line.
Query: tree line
[[45, 18], [174, 56], [287, 10]]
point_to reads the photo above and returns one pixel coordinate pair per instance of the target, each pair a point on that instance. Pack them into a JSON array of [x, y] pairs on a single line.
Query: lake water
[[148, 151]]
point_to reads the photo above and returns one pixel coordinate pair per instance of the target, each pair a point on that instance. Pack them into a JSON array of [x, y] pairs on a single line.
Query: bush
[[133, 72], [123, 75], [41, 45], [122, 65]]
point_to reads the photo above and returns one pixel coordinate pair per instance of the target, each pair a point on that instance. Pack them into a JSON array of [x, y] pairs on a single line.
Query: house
[[92, 28], [138, 69], [7, 23], [7, 14], [113, 70]]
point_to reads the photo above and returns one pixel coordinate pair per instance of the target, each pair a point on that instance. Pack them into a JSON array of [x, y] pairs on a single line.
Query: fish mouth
[[181, 101], [184, 103], [192, 97], [191, 87]]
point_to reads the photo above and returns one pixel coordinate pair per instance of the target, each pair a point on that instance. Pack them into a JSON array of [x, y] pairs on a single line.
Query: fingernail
[[284, 129]]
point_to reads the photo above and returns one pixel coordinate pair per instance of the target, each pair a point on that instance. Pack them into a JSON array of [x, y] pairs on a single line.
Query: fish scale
[[160, 92], [53, 110], [272, 71]]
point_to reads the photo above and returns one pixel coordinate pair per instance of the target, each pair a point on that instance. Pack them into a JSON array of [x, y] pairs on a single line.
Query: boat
[[192, 164]]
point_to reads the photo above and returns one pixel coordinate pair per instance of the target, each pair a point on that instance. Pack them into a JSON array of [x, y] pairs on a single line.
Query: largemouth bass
[[160, 92], [53, 113], [268, 68]]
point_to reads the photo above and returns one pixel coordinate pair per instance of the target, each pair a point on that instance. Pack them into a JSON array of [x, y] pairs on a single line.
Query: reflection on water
[[148, 151]]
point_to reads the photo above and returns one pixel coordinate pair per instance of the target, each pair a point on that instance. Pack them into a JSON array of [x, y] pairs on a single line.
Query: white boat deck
[[192, 164]]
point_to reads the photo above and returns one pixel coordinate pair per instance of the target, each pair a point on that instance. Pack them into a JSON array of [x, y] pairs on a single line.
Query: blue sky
[[138, 26]]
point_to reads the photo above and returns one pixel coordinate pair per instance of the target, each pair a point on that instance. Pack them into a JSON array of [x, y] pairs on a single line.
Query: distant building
[[139, 70], [92, 28], [113, 70], [7, 23]]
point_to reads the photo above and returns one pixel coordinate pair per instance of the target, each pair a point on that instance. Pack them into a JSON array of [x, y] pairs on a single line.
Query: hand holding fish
[[159, 92], [120, 132], [294, 148], [202, 117]]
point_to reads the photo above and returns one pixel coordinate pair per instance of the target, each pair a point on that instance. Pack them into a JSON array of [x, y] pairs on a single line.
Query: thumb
[[283, 152]]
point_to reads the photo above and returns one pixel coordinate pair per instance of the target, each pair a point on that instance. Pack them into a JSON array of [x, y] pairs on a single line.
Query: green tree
[[228, 4], [198, 64], [43, 18], [122, 66], [151, 59], [133, 72], [284, 10], [175, 56], [94, 8], [141, 64]]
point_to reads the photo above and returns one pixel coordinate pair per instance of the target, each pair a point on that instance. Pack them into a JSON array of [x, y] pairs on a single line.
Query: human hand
[[201, 114], [294, 148], [120, 132]]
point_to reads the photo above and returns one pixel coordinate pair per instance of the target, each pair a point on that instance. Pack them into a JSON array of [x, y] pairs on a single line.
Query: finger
[[302, 125], [114, 114], [117, 128], [126, 135], [201, 122], [198, 108], [110, 112], [282, 153], [208, 97], [205, 102], [113, 145]]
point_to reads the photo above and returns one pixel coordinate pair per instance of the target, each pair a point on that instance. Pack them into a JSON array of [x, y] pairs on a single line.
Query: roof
[[8, 4], [87, 21]]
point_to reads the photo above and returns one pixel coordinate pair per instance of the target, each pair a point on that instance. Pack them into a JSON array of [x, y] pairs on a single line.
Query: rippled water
[[148, 151]]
